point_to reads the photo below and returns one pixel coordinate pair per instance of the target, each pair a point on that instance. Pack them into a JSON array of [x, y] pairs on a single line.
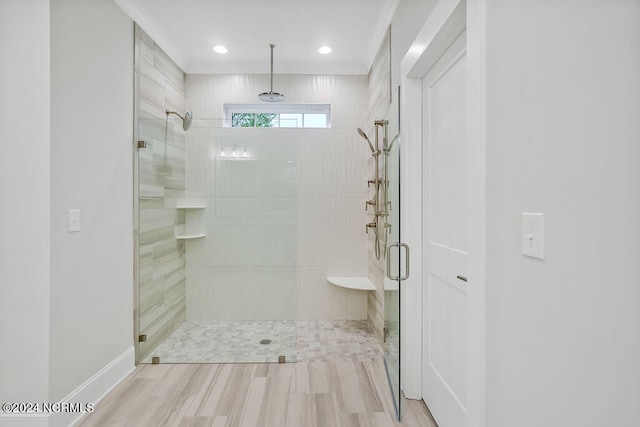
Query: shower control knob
[[369, 203], [370, 225]]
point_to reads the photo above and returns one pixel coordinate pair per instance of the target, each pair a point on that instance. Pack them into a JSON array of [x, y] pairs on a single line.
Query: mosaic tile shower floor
[[239, 342]]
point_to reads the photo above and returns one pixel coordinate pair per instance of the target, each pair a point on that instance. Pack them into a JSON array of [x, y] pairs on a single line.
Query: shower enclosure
[[221, 214], [237, 229], [235, 243]]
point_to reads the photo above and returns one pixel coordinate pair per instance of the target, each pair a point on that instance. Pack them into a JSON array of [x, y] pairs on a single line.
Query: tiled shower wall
[[282, 220], [379, 100], [160, 84]]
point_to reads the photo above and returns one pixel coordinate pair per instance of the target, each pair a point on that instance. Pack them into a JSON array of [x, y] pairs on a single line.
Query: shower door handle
[[406, 261]]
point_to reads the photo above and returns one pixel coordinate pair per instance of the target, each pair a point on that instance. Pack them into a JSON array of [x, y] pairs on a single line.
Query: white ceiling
[[187, 30]]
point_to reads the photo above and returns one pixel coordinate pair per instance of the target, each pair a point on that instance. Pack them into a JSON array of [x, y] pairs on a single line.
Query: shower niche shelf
[[191, 236], [194, 227], [358, 283]]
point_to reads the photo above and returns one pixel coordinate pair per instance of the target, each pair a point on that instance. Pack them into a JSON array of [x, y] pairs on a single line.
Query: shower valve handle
[[370, 225], [369, 203]]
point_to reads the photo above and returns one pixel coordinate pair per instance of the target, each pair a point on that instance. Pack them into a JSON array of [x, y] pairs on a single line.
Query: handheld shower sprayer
[[186, 120], [364, 135]]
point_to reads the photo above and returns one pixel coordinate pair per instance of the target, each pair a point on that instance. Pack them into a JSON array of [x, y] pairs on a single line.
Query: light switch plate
[[74, 221], [533, 235]]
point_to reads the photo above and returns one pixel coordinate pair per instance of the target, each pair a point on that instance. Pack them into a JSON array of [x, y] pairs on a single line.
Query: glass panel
[[290, 120], [161, 256], [259, 120], [315, 120], [392, 240], [266, 120], [217, 242], [243, 120]]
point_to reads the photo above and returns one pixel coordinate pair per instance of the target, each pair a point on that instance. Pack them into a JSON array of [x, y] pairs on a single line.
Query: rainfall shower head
[[364, 135], [186, 120], [271, 96]]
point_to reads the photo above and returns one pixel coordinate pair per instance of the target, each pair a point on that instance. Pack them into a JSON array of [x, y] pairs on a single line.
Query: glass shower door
[[216, 243], [393, 271]]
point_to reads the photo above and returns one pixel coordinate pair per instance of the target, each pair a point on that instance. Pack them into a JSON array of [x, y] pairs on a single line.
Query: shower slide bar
[[381, 207]]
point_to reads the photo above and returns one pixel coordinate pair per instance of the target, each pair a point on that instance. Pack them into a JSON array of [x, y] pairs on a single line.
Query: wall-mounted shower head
[[186, 120], [364, 135]]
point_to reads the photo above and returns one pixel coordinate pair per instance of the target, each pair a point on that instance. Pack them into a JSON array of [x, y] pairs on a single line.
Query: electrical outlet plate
[[74, 221], [533, 235]]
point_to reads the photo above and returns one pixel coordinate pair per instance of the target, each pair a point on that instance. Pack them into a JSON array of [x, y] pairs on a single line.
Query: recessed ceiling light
[[324, 50], [220, 49]]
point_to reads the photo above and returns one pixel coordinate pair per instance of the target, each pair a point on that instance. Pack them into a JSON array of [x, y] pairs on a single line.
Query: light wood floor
[[313, 394]]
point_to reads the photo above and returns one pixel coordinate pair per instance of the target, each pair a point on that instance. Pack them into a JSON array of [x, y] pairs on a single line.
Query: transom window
[[282, 115]]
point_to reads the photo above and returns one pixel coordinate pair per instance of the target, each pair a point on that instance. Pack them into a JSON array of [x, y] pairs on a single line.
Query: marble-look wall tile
[[354, 260], [321, 230], [242, 293], [378, 108], [314, 177], [347, 94], [168, 68], [319, 299], [160, 178], [151, 90], [357, 155], [174, 97]]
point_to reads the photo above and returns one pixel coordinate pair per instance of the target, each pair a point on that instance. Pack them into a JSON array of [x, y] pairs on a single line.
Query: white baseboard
[[96, 387], [91, 391]]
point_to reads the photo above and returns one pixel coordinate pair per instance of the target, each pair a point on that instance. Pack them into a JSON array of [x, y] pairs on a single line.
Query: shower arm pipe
[[271, 86], [174, 112]]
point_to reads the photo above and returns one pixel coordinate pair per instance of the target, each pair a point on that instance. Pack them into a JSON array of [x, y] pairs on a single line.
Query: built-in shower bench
[[358, 283]]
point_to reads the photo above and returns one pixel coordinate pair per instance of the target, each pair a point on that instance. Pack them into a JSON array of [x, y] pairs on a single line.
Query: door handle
[[406, 260], [389, 262]]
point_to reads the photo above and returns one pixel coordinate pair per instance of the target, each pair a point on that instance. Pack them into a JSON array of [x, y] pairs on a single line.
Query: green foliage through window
[[250, 120]]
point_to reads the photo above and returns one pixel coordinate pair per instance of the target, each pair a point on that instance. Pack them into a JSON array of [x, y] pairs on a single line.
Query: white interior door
[[445, 328]]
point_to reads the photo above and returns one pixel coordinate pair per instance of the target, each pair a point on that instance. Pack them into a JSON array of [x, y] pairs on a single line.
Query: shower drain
[[265, 341]]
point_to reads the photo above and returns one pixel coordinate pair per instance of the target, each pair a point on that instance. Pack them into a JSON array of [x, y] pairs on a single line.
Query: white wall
[[409, 18], [563, 101], [65, 313], [24, 191], [276, 230], [91, 170]]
